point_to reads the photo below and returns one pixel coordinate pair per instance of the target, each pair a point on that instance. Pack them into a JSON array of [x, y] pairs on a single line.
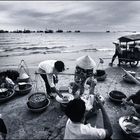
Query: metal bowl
[[116, 96], [37, 100], [63, 103]]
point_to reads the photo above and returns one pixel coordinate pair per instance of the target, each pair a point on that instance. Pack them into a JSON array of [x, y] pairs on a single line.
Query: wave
[[34, 48], [18, 51]]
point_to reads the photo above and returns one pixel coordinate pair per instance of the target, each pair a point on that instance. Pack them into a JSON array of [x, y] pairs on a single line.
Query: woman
[[85, 68]]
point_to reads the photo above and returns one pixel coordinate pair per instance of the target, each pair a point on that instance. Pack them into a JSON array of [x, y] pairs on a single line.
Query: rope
[[36, 89]]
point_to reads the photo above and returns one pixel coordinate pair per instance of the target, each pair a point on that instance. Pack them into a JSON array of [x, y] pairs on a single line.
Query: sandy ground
[[50, 124]]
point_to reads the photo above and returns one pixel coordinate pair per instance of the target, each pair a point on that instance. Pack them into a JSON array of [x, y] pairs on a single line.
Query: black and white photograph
[[69, 70]]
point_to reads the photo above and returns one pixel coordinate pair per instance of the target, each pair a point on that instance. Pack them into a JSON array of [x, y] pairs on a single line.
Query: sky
[[70, 15]]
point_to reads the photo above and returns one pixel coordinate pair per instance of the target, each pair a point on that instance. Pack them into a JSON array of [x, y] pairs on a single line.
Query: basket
[[37, 100], [116, 96], [26, 90], [100, 75], [10, 94], [40, 109]]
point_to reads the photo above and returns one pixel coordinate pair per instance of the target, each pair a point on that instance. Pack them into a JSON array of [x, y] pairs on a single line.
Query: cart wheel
[[134, 63]]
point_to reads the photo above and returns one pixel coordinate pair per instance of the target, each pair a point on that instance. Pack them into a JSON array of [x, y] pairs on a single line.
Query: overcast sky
[[70, 15]]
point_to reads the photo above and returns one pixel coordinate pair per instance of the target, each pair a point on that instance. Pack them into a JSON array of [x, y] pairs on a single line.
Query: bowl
[[130, 125], [26, 88], [40, 109], [9, 94], [3, 91], [63, 103], [100, 75], [116, 96], [22, 85], [37, 100]]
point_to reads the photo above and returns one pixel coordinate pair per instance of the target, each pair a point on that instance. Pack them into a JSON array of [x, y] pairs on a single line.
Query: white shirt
[[81, 131], [48, 66]]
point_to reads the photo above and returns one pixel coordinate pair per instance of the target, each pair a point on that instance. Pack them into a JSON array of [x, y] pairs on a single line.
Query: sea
[[27, 44], [34, 43]]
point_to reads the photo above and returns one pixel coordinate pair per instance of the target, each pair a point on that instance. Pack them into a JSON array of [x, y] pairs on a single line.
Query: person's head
[[75, 110], [59, 66]]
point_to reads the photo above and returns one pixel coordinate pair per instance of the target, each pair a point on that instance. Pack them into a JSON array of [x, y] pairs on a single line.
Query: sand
[[50, 124]]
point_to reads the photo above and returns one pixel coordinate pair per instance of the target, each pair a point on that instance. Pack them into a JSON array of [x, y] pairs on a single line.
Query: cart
[[130, 46]]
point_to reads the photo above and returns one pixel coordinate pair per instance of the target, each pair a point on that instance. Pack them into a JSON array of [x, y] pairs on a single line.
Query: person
[[85, 68], [5, 81], [49, 70], [76, 129], [3, 129], [135, 98], [118, 52]]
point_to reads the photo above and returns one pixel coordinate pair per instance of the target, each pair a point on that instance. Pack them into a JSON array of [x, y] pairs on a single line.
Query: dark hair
[[2, 73], [75, 110], [59, 65]]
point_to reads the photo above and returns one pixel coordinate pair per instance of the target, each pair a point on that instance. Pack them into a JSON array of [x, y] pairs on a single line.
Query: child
[[76, 129]]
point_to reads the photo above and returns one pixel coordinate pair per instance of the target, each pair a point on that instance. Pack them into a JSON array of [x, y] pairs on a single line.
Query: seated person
[[85, 67], [135, 101], [3, 129], [75, 127]]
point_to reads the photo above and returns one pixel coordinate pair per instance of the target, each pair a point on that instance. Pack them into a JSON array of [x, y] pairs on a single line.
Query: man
[[48, 70], [76, 129], [118, 52], [85, 68]]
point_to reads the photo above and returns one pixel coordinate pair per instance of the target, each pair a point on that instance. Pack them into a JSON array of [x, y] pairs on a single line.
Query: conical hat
[[86, 62]]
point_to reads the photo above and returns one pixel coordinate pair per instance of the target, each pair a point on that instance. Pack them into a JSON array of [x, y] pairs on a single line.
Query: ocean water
[[16, 44]]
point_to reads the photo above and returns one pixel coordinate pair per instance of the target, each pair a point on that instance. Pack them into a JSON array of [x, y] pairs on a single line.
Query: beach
[[50, 124]]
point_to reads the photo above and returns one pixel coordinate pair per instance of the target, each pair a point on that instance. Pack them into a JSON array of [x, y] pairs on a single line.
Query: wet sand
[[50, 124]]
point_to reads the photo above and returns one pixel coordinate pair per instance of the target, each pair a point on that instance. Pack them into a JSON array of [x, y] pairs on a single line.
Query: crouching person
[[85, 68], [75, 127]]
